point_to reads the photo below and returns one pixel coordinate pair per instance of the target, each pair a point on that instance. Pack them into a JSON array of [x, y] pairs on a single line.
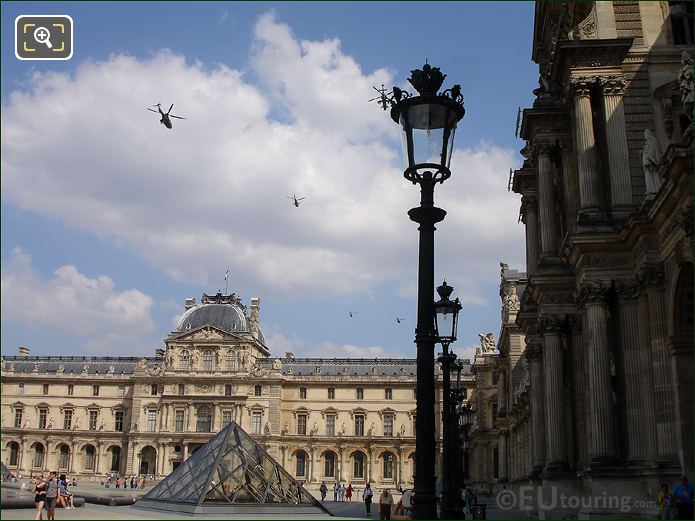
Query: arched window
[[89, 453], [230, 361], [329, 464], [207, 360], [388, 465], [14, 453], [300, 470], [204, 423], [38, 455], [64, 457], [115, 458], [358, 465], [228, 389], [185, 361]]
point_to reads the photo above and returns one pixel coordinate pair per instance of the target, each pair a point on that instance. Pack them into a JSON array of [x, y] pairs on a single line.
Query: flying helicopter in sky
[[165, 116], [295, 199], [398, 320], [351, 313]]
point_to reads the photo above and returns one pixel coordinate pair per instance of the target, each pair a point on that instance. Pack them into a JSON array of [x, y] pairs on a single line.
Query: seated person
[[65, 498]]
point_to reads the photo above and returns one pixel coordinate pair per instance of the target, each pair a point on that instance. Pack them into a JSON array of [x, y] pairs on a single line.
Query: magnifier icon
[[43, 35]]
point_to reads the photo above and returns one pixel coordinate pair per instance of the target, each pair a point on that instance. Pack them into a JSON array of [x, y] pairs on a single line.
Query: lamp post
[[428, 123], [446, 321]]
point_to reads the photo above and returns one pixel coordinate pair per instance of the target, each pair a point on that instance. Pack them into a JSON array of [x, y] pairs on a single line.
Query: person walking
[[51, 495], [39, 496], [407, 502], [367, 495], [664, 502], [683, 499], [324, 490], [335, 491], [348, 492], [385, 504]]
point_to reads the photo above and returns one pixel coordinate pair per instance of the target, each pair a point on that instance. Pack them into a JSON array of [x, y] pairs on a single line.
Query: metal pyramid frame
[[231, 473]]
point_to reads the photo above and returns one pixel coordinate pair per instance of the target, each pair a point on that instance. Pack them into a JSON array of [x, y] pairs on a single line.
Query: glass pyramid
[[231, 470]]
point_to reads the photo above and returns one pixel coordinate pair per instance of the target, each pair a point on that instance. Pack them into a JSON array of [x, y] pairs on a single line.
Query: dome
[[225, 312]]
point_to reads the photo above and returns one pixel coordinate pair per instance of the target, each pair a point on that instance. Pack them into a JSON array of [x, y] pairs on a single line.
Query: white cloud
[[280, 344], [212, 191], [73, 303]]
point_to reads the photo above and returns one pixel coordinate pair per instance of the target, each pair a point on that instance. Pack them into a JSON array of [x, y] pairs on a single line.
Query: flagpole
[[226, 276]]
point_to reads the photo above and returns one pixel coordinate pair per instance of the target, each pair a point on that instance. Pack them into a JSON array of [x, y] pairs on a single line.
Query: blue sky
[[109, 220]]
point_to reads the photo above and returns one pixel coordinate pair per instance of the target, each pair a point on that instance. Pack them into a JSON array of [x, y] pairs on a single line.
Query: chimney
[[190, 302], [255, 310], [289, 356], [23, 351]]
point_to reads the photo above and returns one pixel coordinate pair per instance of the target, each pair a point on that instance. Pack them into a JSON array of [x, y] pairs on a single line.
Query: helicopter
[[351, 313], [165, 117], [399, 320], [295, 199]]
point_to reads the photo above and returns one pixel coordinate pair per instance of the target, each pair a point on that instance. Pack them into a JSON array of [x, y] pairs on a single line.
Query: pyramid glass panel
[[230, 470]]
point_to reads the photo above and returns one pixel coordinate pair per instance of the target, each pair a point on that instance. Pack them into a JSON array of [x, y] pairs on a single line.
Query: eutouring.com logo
[[529, 498]]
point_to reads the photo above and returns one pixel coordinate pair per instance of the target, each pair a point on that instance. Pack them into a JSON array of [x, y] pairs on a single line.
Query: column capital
[[529, 202], [566, 143], [593, 291], [550, 324], [628, 289], [652, 274], [581, 86], [542, 146], [612, 85], [575, 323]]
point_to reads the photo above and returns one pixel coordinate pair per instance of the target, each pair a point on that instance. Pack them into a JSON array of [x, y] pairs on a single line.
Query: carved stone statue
[[402, 429], [277, 364], [651, 157], [686, 84], [218, 358], [50, 423], [85, 369], [370, 431], [61, 369], [487, 343], [286, 429], [169, 357], [111, 370], [267, 429], [142, 364], [35, 369], [314, 429]]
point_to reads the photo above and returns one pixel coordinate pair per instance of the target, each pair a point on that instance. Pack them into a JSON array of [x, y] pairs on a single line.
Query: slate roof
[[75, 364], [350, 366]]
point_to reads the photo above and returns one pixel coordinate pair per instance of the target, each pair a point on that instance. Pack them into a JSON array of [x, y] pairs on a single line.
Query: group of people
[[50, 493], [679, 503], [403, 509], [132, 483], [340, 491]]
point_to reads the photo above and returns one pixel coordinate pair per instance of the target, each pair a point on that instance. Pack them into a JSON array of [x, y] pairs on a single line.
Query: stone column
[[97, 457], [504, 476], [314, 464], [369, 466], [341, 456], [45, 455], [652, 279], [546, 202], [570, 184], [529, 217], [585, 147], [550, 326], [593, 296], [401, 450], [71, 464], [190, 420], [582, 437], [216, 417], [185, 452], [20, 456], [130, 461], [502, 391], [639, 397], [534, 354], [618, 158]]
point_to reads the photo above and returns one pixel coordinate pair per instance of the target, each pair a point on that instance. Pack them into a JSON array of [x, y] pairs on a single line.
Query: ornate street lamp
[[428, 123], [446, 322]]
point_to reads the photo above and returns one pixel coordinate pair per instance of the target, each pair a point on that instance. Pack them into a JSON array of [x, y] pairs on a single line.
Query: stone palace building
[[594, 372], [347, 420]]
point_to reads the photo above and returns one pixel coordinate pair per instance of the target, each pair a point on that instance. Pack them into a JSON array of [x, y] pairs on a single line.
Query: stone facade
[[348, 420], [607, 309]]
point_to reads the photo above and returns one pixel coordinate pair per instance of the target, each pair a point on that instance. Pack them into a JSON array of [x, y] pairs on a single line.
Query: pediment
[[207, 333]]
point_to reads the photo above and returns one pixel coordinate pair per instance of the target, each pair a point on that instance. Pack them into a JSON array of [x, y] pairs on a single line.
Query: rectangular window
[[154, 390], [302, 393], [18, 418], [45, 388], [71, 389], [360, 393], [95, 390], [178, 421], [121, 391], [151, 420], [182, 389], [331, 393], [118, 423], [256, 422], [359, 425], [414, 425], [388, 424], [20, 388], [258, 390], [226, 417], [43, 414], [494, 412], [93, 420], [330, 425], [301, 423], [67, 419], [681, 14], [496, 463], [388, 393]]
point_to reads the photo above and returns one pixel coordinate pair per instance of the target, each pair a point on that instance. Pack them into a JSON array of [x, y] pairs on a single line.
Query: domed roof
[[225, 312]]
